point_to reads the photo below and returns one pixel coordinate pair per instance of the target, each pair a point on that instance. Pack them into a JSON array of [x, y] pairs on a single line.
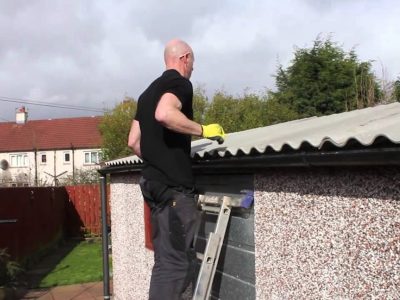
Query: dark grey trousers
[[174, 219]]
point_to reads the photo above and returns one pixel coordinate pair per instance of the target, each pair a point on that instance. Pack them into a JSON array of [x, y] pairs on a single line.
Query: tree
[[81, 176], [247, 111], [325, 80], [200, 104], [275, 112], [396, 90], [224, 110], [115, 127]]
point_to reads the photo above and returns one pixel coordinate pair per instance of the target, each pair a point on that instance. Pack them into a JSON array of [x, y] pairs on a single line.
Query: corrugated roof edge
[[327, 142], [369, 131]]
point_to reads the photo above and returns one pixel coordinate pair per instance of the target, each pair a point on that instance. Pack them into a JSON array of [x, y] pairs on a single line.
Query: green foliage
[[275, 112], [200, 105], [396, 90], [223, 110], [115, 127], [250, 112], [9, 269], [247, 111], [325, 80]]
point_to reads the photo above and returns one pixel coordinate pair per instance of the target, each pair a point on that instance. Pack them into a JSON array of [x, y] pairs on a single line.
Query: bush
[[9, 270], [82, 176]]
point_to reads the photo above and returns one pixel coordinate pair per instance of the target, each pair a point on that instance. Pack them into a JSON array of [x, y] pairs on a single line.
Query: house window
[[19, 160], [92, 157], [67, 157], [43, 158]]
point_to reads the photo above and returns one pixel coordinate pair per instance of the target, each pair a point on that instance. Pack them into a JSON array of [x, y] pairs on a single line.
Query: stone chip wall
[[132, 262], [328, 234]]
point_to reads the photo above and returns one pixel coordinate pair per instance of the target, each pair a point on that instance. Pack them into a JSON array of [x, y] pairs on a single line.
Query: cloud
[[93, 53]]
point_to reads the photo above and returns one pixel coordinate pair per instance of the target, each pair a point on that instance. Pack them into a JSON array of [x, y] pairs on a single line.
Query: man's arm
[[168, 113], [134, 138]]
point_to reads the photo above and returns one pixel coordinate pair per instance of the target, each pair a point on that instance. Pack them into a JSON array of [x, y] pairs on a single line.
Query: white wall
[[53, 166]]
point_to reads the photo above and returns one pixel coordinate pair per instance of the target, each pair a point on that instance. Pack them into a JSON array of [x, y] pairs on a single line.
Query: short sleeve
[[138, 113], [180, 87]]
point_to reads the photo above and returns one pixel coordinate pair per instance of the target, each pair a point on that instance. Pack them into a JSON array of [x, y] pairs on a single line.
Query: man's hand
[[213, 132]]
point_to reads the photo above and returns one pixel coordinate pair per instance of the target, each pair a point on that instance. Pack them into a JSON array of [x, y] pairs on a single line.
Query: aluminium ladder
[[222, 205]]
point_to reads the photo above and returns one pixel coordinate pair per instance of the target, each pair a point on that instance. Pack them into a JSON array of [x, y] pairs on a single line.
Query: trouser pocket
[[155, 193], [183, 216]]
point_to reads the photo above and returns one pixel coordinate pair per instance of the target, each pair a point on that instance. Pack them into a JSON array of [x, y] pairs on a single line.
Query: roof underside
[[367, 128]]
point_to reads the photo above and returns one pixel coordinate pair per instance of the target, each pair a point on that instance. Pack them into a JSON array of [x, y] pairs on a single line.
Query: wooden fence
[[32, 218], [84, 210]]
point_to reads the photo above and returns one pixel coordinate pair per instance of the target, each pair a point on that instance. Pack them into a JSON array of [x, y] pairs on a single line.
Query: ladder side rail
[[203, 281], [212, 253], [222, 224]]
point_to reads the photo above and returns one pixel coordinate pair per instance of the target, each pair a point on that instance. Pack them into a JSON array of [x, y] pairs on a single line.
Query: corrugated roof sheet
[[52, 134], [364, 126]]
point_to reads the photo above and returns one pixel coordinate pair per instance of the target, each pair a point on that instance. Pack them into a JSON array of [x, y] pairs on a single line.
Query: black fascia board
[[389, 156]]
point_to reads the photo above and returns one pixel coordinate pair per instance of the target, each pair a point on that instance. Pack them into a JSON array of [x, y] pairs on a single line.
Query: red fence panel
[[84, 210], [148, 239], [31, 218]]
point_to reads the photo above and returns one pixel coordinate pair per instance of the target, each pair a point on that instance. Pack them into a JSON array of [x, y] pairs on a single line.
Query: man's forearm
[[134, 138], [175, 120]]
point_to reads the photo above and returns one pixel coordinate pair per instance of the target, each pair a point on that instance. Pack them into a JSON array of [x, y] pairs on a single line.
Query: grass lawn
[[83, 264]]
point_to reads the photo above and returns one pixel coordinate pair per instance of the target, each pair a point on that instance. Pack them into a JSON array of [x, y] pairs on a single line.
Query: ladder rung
[[199, 255], [214, 209], [233, 200]]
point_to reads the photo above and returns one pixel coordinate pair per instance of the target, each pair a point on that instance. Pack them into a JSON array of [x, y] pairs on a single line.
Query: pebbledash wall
[[131, 261], [331, 233], [319, 233]]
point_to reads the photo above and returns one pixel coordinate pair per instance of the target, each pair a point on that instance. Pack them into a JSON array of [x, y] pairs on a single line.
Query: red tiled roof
[[50, 134]]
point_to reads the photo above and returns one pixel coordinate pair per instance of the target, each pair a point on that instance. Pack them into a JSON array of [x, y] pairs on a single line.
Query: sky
[[93, 53]]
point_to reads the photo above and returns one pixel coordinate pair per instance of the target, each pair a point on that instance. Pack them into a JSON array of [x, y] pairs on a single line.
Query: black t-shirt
[[166, 154]]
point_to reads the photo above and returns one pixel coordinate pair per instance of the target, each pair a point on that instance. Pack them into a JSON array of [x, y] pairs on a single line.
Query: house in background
[[44, 152]]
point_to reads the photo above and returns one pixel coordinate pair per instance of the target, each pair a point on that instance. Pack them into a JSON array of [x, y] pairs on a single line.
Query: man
[[161, 135]]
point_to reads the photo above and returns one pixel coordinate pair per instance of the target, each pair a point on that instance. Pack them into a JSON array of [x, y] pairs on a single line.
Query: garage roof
[[363, 128]]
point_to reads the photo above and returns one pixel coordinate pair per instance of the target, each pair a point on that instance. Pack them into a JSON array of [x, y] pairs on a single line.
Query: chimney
[[21, 115]]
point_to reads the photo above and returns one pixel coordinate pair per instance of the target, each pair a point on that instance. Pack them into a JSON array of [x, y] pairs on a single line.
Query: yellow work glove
[[213, 132]]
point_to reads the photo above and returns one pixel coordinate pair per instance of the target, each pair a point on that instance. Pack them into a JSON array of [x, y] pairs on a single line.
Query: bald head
[[178, 55], [176, 48]]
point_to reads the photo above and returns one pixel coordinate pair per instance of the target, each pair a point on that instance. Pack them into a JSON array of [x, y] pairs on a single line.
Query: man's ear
[[186, 58]]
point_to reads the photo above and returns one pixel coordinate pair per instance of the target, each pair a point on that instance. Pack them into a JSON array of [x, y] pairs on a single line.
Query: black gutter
[[358, 157]]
